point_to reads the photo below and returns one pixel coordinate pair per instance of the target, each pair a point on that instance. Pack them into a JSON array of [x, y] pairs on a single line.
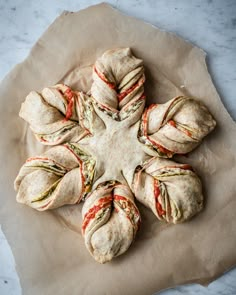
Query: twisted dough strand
[[62, 175], [176, 127], [57, 115], [110, 221], [118, 82], [171, 190]]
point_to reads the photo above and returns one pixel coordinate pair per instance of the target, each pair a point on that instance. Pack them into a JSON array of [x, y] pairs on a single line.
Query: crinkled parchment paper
[[50, 257]]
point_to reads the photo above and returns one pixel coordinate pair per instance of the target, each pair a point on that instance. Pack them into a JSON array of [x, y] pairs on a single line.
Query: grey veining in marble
[[209, 24]]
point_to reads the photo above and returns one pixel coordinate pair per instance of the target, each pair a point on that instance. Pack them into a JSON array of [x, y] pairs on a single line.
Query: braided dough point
[[62, 175], [176, 127], [59, 114], [110, 221], [171, 190], [118, 83]]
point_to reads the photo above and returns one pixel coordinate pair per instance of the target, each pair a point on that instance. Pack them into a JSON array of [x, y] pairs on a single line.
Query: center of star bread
[[117, 152]]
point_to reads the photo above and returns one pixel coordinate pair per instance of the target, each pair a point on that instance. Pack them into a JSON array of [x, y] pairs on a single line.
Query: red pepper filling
[[152, 106], [118, 197], [44, 159], [184, 166], [44, 206], [161, 148], [188, 133], [143, 96], [157, 192], [69, 95], [104, 202], [172, 123], [130, 204], [42, 139], [123, 94], [144, 123], [36, 158], [103, 78], [169, 108]]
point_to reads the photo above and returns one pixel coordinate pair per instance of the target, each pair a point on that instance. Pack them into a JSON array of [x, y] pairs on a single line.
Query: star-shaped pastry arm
[[175, 127], [171, 190], [62, 175], [110, 220], [118, 84], [59, 114]]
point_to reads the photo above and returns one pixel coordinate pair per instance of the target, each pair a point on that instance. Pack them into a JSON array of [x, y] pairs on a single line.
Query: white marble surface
[[210, 24]]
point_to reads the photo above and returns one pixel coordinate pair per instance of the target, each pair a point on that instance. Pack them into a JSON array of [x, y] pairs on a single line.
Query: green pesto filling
[[79, 152], [131, 109], [101, 214], [88, 166], [47, 193], [114, 115], [88, 117], [89, 171], [54, 136], [169, 174], [123, 114], [143, 139], [49, 168]]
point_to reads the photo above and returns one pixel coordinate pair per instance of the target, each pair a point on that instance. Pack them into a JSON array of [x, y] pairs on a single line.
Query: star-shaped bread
[[109, 149]]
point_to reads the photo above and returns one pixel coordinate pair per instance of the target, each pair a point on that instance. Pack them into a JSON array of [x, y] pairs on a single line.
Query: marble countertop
[[209, 24]]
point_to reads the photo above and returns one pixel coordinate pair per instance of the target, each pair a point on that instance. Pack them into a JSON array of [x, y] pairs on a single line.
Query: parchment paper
[[52, 259]]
